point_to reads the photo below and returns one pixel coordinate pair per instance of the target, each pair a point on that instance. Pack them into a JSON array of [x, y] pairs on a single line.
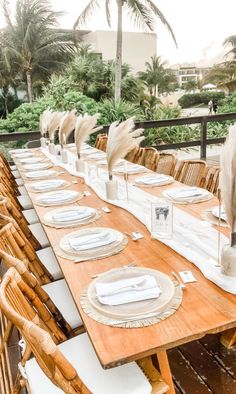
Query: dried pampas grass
[[228, 180], [67, 125], [122, 138], [85, 126], [44, 121], [54, 124]]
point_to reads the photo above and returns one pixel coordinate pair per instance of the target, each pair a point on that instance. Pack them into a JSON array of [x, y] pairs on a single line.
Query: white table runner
[[192, 238]]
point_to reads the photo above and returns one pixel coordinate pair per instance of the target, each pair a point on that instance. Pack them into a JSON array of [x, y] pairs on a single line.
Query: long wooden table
[[205, 308]]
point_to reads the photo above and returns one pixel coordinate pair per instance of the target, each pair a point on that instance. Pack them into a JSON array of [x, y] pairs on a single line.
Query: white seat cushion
[[23, 190], [49, 260], [25, 202], [31, 216], [19, 181], [13, 168], [39, 233], [62, 298], [125, 379], [16, 174]]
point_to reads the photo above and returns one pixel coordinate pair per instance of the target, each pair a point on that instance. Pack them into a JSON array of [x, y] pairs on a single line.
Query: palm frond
[[162, 18], [86, 13], [140, 15]]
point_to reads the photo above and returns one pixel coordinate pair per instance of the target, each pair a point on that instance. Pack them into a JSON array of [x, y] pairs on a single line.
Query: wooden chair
[[149, 158], [211, 180], [166, 163], [134, 155], [13, 241], [56, 361], [7, 208], [55, 296], [101, 142], [191, 172]]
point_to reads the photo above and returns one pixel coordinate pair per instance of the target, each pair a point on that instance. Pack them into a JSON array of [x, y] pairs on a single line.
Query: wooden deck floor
[[199, 367]]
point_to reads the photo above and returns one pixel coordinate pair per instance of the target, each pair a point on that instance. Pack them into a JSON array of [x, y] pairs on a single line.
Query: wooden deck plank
[[225, 357], [185, 377], [216, 377]]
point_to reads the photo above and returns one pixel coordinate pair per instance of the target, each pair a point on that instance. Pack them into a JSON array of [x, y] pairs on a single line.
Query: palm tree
[[142, 12], [32, 43], [157, 77]]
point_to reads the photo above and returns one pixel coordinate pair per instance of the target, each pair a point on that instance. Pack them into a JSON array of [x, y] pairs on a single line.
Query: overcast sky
[[200, 26]]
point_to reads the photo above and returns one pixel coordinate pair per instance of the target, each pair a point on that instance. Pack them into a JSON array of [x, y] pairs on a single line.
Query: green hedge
[[189, 100]]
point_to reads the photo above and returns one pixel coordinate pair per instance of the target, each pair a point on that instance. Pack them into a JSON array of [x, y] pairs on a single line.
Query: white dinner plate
[[217, 212], [57, 197], [137, 308]]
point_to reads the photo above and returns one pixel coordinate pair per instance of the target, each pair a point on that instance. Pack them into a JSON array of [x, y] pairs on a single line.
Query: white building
[[137, 48]]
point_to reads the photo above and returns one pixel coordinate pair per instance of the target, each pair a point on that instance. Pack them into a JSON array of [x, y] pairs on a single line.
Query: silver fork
[[124, 266]]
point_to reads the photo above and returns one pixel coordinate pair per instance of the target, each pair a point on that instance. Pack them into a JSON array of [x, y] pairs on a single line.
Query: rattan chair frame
[[191, 172]]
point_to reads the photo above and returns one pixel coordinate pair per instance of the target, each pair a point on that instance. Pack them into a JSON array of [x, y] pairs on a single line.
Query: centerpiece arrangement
[[228, 191], [44, 122], [66, 127], [84, 127], [122, 138], [53, 126]]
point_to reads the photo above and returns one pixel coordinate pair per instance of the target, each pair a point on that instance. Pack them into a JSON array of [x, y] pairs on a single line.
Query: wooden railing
[[201, 120]]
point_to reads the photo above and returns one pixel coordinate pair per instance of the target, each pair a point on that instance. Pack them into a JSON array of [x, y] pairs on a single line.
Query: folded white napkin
[[38, 174], [217, 213], [130, 168], [70, 215], [152, 179], [48, 184], [22, 155], [93, 240], [186, 193], [97, 156], [31, 160], [59, 196], [128, 290], [35, 166]]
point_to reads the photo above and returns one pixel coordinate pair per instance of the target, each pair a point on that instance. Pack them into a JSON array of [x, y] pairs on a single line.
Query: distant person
[[215, 106], [210, 107]]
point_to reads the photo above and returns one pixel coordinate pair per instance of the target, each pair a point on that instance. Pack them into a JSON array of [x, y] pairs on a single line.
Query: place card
[[137, 235], [162, 219], [187, 277], [86, 193], [106, 210]]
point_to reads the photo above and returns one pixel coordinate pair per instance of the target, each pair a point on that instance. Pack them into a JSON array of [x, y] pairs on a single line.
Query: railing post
[[203, 138]]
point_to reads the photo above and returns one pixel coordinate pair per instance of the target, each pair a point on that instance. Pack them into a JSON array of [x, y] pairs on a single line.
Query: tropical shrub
[[188, 100], [26, 116], [111, 111]]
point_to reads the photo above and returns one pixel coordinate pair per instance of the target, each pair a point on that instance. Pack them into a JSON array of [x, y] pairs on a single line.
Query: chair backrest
[[149, 158], [166, 163], [13, 241], [101, 142], [6, 376], [39, 298], [47, 354], [7, 208], [211, 180], [33, 144], [134, 155], [191, 172]]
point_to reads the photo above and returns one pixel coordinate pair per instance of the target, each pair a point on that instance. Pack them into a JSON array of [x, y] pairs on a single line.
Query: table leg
[[228, 338], [165, 370]]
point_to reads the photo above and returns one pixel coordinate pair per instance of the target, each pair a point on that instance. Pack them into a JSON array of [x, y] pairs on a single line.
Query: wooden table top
[[205, 308]]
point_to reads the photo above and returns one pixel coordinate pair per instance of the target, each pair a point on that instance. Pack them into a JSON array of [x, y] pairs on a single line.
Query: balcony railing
[[201, 120]]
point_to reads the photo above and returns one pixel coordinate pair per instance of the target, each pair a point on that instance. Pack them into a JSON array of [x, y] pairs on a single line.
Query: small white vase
[[80, 165], [51, 148], [228, 260], [43, 142], [111, 190], [64, 156]]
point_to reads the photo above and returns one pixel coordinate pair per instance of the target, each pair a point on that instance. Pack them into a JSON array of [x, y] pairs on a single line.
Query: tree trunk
[[118, 53], [15, 90], [4, 95], [29, 86]]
